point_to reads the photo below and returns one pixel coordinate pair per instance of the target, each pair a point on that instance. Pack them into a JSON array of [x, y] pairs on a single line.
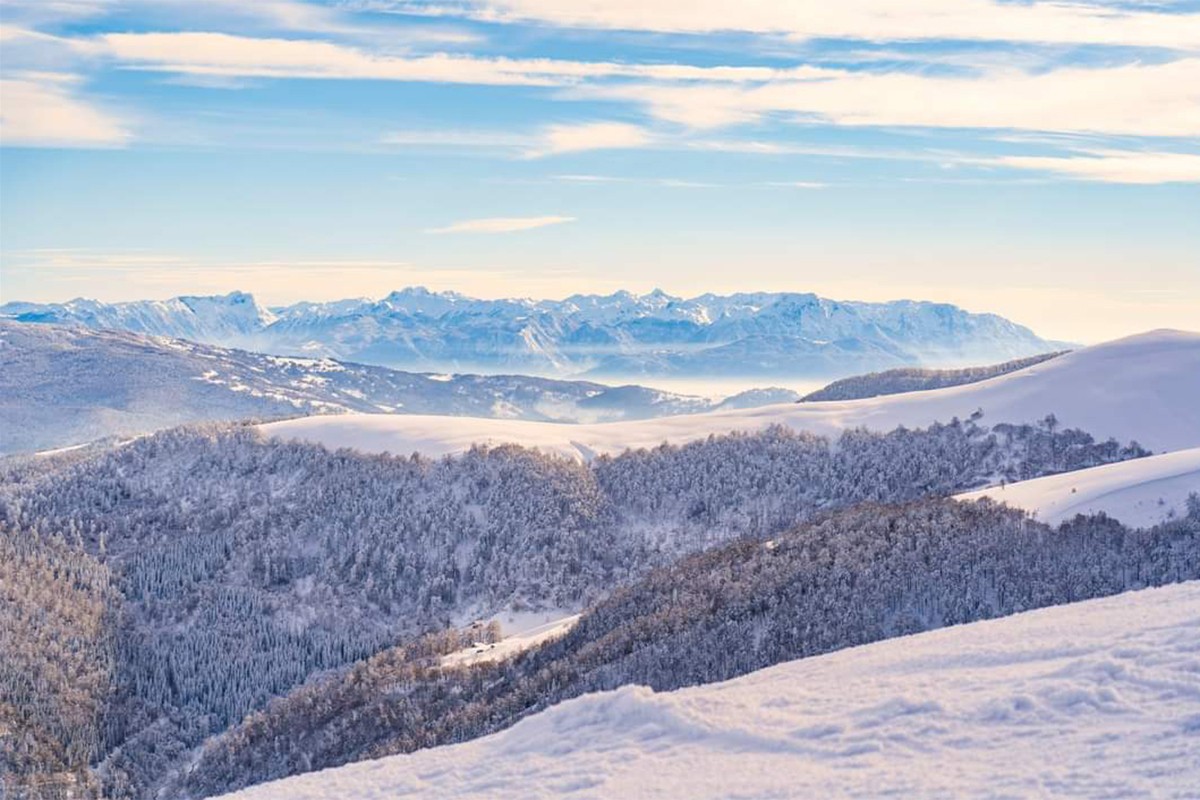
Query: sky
[[1038, 160]]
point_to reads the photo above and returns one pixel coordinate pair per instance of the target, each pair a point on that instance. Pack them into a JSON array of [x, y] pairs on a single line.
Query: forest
[[851, 578], [208, 570]]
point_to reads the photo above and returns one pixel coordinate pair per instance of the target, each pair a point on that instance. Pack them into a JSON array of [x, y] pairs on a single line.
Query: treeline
[[851, 578], [245, 566], [917, 379]]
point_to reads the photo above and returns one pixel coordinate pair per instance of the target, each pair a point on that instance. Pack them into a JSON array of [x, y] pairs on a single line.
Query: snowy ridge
[[1090, 699], [1140, 493], [1144, 387]]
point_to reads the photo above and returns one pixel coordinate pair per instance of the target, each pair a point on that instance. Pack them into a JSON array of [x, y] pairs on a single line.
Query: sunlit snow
[[1141, 493]]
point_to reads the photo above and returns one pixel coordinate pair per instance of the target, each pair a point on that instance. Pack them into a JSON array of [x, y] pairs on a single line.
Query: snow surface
[[519, 632], [1140, 493], [1144, 387], [1095, 699]]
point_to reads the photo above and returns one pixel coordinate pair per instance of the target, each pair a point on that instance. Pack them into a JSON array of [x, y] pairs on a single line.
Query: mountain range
[[750, 335]]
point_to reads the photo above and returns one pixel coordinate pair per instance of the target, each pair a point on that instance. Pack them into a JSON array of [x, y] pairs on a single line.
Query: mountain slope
[[737, 336], [1139, 493], [248, 566], [857, 576], [1144, 387], [1087, 698], [62, 386]]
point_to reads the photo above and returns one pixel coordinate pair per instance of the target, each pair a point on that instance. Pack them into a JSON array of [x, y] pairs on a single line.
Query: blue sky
[[1038, 160]]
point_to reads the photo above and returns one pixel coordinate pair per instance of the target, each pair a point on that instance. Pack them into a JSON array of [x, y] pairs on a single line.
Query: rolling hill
[[1140, 493], [915, 379], [1144, 387], [61, 386]]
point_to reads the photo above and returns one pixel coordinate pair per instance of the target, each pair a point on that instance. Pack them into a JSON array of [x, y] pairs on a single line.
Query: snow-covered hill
[[1144, 388], [1141, 493], [61, 386], [1100, 698], [756, 336]]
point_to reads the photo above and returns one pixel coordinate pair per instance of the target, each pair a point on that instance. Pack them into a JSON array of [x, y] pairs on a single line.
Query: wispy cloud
[[550, 140], [501, 224], [585, 178], [1113, 166], [1140, 99], [559, 139], [45, 110], [261, 57], [870, 20], [292, 16], [1135, 99], [797, 184]]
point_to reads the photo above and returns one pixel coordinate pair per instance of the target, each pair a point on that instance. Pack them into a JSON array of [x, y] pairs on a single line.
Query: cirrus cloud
[[1136, 99], [1150, 99], [207, 53], [1114, 166], [870, 20]]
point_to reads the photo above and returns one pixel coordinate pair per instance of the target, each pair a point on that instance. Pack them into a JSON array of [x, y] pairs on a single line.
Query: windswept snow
[[1095, 699], [1144, 387], [1141, 493]]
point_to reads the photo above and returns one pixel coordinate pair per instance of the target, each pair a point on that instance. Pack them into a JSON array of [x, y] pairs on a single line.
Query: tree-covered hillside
[[853, 577], [245, 566], [917, 379]]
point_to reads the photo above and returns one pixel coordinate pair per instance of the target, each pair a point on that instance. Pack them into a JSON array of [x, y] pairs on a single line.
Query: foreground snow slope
[[1094, 699], [1144, 387], [1142, 492]]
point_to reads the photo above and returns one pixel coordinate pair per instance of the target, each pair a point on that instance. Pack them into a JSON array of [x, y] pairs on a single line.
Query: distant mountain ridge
[[62, 386], [748, 335]]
